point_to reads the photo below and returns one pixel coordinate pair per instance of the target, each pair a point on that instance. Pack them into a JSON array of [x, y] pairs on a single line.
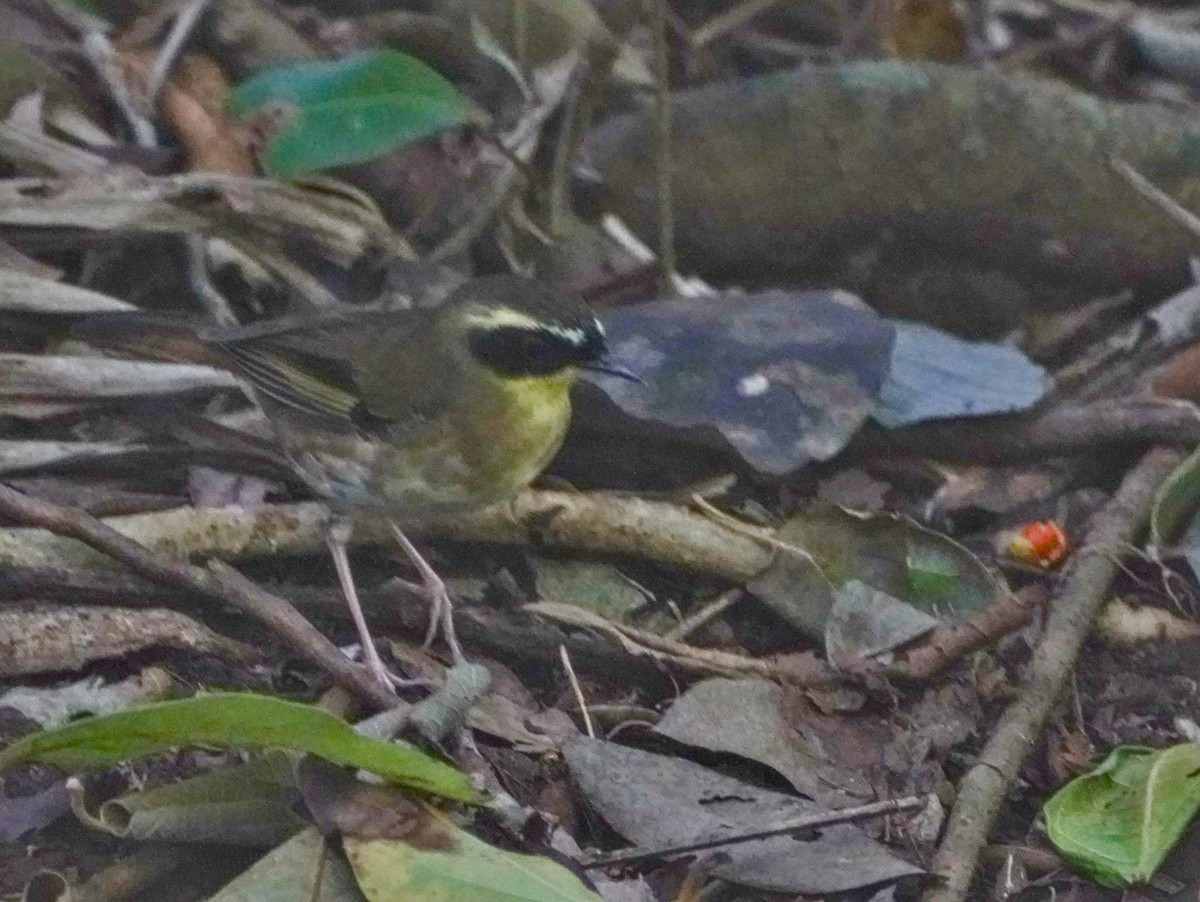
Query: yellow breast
[[490, 444]]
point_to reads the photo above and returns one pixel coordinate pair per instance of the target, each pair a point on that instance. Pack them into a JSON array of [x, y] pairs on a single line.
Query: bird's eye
[[533, 345]]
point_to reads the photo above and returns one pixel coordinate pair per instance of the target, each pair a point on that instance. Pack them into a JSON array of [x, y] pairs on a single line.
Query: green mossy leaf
[[321, 114]]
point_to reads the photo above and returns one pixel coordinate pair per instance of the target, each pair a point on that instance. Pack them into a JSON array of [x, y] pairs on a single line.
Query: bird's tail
[[148, 337]]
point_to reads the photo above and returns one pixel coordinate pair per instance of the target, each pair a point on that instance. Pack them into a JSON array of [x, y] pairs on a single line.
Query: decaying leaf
[[23, 814], [745, 717], [402, 848], [56, 705], [782, 378], [287, 873], [594, 585], [653, 800], [886, 553], [934, 375], [251, 804]]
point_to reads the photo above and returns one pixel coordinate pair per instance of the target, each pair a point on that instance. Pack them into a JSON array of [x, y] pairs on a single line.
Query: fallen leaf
[[1119, 822], [745, 717], [935, 375], [654, 800], [782, 378]]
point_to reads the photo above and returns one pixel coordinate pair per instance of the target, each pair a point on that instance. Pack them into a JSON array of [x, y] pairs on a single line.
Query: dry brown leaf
[[192, 102], [922, 29]]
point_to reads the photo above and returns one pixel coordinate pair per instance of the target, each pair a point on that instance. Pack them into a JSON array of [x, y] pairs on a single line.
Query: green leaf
[[234, 720], [466, 869], [1175, 501], [1119, 822], [319, 114]]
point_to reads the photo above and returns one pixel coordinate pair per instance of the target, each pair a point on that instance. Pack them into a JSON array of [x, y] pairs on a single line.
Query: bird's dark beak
[[613, 370]]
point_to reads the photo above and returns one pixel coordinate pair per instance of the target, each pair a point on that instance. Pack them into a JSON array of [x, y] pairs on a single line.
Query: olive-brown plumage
[[415, 413]]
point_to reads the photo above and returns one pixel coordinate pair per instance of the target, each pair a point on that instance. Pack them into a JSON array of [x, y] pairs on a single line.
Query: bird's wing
[[365, 373]]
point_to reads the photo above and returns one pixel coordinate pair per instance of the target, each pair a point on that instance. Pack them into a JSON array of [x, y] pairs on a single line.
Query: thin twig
[[706, 615], [99, 51], [1157, 196], [664, 162], [218, 582], [952, 641], [984, 788], [578, 690], [725, 22], [181, 29], [201, 281], [807, 822]]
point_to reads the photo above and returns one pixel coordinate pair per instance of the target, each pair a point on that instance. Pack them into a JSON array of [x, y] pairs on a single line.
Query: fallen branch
[[500, 633], [217, 582], [598, 646], [948, 643], [1059, 431], [984, 788], [596, 523]]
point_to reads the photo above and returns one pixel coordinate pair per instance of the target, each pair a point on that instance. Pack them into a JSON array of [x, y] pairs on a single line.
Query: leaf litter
[[895, 279]]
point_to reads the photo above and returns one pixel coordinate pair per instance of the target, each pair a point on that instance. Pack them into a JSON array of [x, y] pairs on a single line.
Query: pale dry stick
[[520, 32], [578, 690], [99, 52], [1151, 192], [181, 29], [201, 281], [1063, 430], [1120, 11], [565, 145], [722, 23], [984, 788], [688, 287], [706, 615], [596, 522], [807, 822], [663, 161]]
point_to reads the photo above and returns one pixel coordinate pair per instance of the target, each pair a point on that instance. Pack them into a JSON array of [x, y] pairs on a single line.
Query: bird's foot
[[441, 610], [441, 618]]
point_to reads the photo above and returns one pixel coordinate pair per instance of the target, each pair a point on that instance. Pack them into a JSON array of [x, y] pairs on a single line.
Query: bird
[[409, 414]]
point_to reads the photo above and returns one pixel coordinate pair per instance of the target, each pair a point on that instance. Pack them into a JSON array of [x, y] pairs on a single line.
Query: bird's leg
[[337, 537], [441, 612]]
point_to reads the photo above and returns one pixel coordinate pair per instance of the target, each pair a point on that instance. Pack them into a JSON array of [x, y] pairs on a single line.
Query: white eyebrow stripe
[[498, 317], [502, 317], [573, 334]]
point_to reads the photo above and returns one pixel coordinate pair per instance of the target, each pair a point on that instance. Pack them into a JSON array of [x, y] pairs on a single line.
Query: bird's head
[[521, 329]]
